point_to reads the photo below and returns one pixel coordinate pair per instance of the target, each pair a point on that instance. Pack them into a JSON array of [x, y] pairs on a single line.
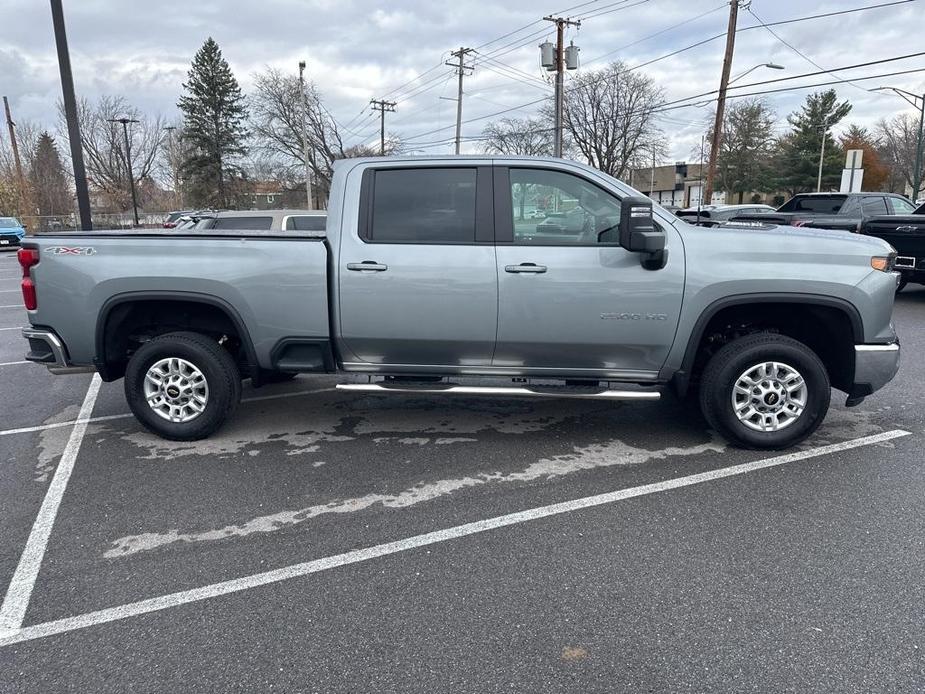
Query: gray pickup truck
[[438, 276]]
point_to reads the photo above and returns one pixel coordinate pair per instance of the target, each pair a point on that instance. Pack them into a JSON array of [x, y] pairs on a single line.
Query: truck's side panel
[[262, 278], [783, 262]]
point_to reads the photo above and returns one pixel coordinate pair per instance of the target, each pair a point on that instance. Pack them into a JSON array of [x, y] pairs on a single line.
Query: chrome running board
[[503, 391]]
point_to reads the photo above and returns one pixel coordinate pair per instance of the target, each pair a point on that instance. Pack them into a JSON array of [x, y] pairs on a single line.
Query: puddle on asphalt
[[416, 423]]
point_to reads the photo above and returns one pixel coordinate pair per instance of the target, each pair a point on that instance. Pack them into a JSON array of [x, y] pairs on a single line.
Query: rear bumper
[[46, 348], [874, 367]]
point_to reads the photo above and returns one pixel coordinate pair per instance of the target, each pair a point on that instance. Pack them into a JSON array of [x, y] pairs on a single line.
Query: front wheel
[[182, 386], [765, 391]]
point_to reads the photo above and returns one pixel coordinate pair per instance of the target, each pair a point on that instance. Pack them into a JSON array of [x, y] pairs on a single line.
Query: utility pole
[[383, 107], [70, 114], [721, 102], [652, 179], [128, 162], [559, 66], [305, 148], [17, 161], [174, 169], [461, 68]]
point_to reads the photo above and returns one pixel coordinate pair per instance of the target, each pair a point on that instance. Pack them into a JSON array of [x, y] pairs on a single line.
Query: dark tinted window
[[823, 204], [244, 223], [424, 206], [874, 206], [315, 222]]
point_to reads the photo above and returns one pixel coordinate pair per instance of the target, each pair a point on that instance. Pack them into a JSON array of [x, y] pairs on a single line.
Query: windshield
[[9, 223]]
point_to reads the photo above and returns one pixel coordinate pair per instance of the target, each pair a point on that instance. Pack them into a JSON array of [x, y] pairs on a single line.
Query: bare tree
[[27, 136], [610, 118], [104, 145], [518, 136], [898, 138], [276, 107]]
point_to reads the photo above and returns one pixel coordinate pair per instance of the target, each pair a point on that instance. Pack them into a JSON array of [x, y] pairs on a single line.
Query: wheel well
[[827, 330], [129, 324]]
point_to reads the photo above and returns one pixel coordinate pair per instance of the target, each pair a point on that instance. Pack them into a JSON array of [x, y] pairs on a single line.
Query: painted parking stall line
[[127, 415], [19, 592], [112, 614]]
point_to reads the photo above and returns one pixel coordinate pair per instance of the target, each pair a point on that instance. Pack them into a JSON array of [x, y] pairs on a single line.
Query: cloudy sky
[[359, 50]]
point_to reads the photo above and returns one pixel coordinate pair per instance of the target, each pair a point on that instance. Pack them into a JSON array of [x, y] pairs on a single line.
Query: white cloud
[[360, 49]]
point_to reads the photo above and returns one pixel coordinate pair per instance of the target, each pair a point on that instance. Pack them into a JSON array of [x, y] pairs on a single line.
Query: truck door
[[567, 301], [418, 283]]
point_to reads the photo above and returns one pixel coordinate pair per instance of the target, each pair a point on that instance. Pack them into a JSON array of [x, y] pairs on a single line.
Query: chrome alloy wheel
[[769, 396], [176, 390]]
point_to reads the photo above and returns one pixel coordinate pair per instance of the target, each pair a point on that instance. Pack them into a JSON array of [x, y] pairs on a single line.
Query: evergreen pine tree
[[51, 190], [214, 115], [797, 160]]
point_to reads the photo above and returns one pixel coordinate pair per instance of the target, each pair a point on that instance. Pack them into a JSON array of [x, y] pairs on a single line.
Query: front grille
[[905, 244], [9, 240]]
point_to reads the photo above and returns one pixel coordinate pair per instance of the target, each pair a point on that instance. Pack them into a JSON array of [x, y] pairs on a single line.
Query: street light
[[825, 132], [913, 99], [772, 66], [128, 159], [308, 168], [724, 83]]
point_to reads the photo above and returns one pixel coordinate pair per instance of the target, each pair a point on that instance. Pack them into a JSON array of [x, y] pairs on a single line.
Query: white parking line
[[164, 602], [13, 610], [14, 306], [14, 363], [126, 415], [16, 328]]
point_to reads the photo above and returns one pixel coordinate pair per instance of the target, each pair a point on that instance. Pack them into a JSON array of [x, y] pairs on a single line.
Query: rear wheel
[[182, 386], [765, 391], [902, 285]]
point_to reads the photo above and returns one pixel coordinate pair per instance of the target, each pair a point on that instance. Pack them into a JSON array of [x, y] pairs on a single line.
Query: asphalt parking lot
[[334, 543]]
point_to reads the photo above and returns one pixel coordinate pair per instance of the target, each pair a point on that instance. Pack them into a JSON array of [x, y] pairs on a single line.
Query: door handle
[[368, 266], [525, 267]]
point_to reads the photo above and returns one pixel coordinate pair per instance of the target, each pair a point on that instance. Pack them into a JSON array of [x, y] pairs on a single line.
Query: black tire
[[216, 365], [733, 360], [902, 285]]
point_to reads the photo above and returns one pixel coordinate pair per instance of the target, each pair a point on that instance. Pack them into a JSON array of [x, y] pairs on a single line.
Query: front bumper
[[9, 241], [46, 348], [874, 367]]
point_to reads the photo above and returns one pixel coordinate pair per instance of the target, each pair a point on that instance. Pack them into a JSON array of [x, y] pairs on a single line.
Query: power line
[[657, 33], [801, 86], [797, 50], [822, 71], [616, 9]]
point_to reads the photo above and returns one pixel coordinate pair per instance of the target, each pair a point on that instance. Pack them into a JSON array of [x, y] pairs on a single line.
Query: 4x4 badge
[[71, 250]]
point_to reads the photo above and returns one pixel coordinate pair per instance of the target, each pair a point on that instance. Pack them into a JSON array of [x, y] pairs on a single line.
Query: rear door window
[[314, 222], [427, 205], [243, 223], [873, 205]]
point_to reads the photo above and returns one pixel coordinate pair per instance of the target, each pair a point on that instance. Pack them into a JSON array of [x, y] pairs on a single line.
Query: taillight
[[28, 257]]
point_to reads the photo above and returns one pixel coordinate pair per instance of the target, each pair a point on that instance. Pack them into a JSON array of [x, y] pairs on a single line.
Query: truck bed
[[276, 284]]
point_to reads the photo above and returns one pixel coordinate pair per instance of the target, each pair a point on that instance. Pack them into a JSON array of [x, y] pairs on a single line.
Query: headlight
[[883, 263]]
